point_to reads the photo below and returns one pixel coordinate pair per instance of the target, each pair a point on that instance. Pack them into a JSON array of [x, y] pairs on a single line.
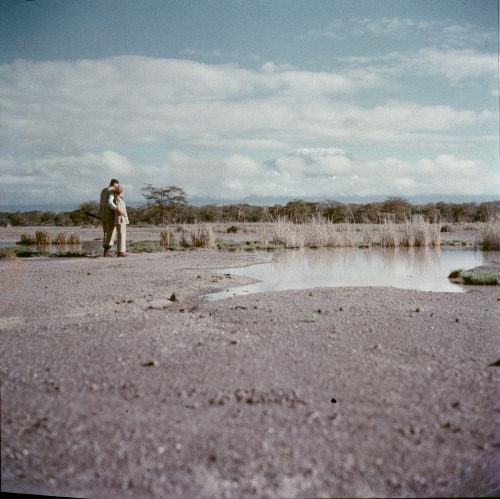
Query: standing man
[[107, 215]]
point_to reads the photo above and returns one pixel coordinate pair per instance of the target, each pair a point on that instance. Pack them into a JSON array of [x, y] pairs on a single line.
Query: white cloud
[[64, 127], [458, 65], [305, 173], [455, 65], [67, 108], [332, 30], [442, 32], [215, 54], [64, 108]]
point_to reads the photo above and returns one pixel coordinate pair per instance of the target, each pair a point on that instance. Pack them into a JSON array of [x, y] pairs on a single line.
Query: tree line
[[168, 205]]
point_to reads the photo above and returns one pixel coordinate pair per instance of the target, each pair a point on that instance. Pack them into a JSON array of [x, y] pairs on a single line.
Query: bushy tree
[[397, 209], [164, 201]]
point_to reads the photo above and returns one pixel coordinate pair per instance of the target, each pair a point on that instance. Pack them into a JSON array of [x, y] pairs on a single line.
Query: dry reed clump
[[60, 239], [345, 235], [167, 237], [317, 233], [413, 233], [184, 238], [435, 234], [389, 235], [27, 239], [285, 233], [42, 238], [369, 233], [203, 237], [490, 235], [74, 239]]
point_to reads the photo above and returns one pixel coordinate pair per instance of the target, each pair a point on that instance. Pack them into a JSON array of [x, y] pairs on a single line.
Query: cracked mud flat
[[110, 389]]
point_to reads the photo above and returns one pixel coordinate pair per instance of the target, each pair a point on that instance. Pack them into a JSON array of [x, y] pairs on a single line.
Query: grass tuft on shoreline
[[477, 277]]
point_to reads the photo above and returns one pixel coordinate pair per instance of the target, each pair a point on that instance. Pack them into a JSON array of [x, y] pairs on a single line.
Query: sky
[[252, 100]]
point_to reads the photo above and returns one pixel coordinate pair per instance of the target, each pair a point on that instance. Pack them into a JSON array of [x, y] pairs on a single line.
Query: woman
[[121, 219]]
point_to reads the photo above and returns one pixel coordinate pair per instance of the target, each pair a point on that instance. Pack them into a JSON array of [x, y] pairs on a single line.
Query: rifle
[[91, 215]]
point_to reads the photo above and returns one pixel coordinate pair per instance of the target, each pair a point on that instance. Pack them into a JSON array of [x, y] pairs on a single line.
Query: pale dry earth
[[111, 389]]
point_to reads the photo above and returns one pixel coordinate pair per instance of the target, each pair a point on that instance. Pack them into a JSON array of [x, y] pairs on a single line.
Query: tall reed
[[27, 239], [60, 239], [490, 235], [167, 237], [285, 233], [74, 239], [42, 238], [389, 236], [203, 237], [317, 233], [416, 232]]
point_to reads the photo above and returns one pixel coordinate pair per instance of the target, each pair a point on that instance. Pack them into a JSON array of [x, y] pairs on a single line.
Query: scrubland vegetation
[[395, 210], [299, 224]]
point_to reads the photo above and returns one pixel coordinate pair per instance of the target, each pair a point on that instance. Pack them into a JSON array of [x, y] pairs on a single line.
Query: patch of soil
[[111, 388]]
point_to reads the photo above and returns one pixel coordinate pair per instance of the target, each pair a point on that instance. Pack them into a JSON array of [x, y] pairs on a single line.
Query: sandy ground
[[111, 389]]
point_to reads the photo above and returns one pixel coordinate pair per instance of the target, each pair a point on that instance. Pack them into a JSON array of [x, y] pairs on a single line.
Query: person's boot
[[121, 253], [107, 252]]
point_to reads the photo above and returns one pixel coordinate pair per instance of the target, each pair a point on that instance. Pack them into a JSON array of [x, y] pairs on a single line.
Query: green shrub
[[144, 247], [481, 277]]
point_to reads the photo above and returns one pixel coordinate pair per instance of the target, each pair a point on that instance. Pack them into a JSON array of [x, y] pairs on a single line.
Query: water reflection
[[425, 269]]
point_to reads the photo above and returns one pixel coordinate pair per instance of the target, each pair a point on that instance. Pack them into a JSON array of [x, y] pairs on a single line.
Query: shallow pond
[[424, 269]]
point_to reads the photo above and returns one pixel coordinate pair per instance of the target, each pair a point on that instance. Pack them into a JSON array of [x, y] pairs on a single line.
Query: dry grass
[[60, 239], [184, 238], [42, 238], [197, 236], [74, 239], [167, 237], [203, 237], [413, 233], [27, 239], [319, 233], [389, 235], [490, 235]]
